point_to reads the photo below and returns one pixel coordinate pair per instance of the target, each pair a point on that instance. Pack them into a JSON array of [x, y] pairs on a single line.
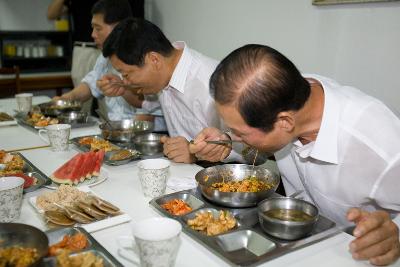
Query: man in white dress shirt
[[106, 14], [337, 144], [150, 64]]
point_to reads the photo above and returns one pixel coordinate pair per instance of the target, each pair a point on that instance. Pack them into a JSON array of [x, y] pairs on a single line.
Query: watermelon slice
[[75, 174], [89, 163], [99, 162], [63, 175]]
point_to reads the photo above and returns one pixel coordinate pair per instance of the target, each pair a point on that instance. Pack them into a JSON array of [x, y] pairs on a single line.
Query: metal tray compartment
[[247, 244], [30, 170], [98, 250], [244, 245], [190, 199]]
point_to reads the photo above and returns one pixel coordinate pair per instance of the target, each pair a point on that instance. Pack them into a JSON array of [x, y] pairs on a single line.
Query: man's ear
[[285, 121], [154, 60]]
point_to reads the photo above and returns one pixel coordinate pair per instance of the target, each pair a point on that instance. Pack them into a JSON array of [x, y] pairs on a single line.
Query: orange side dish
[[71, 243], [177, 207]]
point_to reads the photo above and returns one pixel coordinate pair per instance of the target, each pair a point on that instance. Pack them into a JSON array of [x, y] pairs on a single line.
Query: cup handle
[[125, 248], [46, 140]]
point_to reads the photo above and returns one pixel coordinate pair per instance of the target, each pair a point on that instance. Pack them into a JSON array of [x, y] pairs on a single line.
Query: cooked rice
[[65, 195]]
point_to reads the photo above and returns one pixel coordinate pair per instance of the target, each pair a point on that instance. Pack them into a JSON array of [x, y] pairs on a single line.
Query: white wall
[[24, 15], [357, 44]]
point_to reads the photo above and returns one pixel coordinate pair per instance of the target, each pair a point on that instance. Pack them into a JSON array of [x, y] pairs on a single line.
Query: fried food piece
[[205, 222], [121, 155]]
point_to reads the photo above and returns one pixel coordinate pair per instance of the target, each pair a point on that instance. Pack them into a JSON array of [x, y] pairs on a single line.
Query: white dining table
[[122, 188]]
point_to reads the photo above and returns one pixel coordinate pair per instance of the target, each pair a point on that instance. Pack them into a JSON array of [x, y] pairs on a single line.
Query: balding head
[[260, 82]]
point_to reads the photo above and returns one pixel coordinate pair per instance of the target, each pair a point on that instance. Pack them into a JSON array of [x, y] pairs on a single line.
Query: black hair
[[133, 38], [261, 83], [113, 10]]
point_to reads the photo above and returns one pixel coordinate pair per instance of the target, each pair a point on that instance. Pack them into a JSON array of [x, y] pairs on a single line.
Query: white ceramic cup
[[57, 136], [153, 175], [24, 102], [11, 189], [156, 241]]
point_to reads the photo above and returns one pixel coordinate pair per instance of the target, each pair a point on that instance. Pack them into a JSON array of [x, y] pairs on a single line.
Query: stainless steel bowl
[[148, 144], [55, 108], [74, 117], [287, 229], [124, 130], [23, 235], [235, 172]]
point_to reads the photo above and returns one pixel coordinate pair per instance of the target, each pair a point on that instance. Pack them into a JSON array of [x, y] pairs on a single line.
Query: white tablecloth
[[123, 189]]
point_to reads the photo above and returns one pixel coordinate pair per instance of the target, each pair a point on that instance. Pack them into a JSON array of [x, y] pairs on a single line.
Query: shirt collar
[[325, 146], [181, 71]]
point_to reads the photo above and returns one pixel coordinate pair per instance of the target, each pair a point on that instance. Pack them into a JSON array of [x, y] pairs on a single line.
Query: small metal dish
[[148, 144], [107, 158], [55, 108], [287, 229], [124, 130], [74, 117]]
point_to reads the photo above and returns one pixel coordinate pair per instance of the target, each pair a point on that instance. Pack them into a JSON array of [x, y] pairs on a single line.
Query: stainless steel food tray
[[92, 121], [31, 170], [247, 244], [56, 236], [107, 159]]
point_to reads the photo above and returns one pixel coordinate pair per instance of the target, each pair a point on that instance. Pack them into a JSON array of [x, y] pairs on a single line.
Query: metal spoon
[[219, 142]]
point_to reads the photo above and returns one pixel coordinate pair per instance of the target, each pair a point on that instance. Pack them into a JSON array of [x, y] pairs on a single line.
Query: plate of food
[[36, 120], [79, 206], [15, 164], [92, 143], [6, 119]]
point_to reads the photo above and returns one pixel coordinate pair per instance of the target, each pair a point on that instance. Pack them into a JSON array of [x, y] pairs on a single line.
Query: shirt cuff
[[150, 106], [396, 220]]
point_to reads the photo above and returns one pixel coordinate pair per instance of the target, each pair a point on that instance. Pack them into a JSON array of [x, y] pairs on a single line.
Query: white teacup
[[11, 189], [24, 102], [58, 136], [156, 241], [153, 175]]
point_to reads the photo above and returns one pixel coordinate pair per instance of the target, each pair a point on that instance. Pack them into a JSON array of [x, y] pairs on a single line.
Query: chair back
[[10, 83]]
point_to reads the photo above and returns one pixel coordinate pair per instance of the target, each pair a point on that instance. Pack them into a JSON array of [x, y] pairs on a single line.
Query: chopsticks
[[219, 142], [27, 148]]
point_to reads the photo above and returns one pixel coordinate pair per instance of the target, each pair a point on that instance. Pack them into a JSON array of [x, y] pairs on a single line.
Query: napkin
[[181, 183]]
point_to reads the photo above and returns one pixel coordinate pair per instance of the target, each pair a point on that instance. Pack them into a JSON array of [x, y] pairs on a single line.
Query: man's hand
[[210, 152], [107, 85], [377, 237], [62, 97], [177, 149]]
